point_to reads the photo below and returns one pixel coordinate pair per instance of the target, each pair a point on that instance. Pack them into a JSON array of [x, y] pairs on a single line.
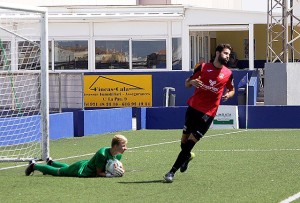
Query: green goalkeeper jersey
[[89, 167]]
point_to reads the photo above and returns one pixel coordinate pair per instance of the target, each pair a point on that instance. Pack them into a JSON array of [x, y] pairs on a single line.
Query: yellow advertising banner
[[117, 90]]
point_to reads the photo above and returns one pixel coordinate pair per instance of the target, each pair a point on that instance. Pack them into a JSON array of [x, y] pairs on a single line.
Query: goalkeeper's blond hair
[[117, 139]]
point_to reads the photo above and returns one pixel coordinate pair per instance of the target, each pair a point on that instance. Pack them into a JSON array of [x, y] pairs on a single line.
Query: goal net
[[24, 123]]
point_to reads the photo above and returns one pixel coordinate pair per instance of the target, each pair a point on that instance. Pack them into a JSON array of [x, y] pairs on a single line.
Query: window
[[5, 56], [50, 55], [246, 48], [112, 54], [176, 54], [192, 51], [29, 55], [149, 54], [71, 55]]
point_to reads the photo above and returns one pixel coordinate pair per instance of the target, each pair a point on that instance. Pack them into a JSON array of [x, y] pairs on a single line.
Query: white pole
[[247, 101], [44, 86], [167, 97], [251, 47], [186, 64]]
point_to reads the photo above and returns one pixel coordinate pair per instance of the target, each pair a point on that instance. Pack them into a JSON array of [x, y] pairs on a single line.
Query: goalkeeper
[[95, 167]]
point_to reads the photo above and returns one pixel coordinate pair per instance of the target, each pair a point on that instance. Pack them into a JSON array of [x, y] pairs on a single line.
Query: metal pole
[[247, 102], [292, 30], [82, 90], [285, 33], [251, 46], [44, 87], [59, 93], [167, 97], [268, 37]]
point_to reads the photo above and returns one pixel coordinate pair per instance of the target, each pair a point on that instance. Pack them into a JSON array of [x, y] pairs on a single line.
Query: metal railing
[[65, 91]]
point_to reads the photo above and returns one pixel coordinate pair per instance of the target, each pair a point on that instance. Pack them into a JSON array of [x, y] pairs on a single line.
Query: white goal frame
[[44, 79]]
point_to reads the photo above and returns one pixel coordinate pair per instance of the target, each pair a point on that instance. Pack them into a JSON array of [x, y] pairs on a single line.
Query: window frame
[[53, 39], [130, 39], [106, 39], [153, 39]]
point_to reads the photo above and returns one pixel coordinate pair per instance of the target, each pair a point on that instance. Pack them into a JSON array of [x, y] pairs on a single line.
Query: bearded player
[[209, 81], [95, 167]]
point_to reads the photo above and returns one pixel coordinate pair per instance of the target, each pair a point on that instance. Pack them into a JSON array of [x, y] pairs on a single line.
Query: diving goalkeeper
[[95, 167]]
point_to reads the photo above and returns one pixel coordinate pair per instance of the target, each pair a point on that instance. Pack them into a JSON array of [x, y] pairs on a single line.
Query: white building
[[154, 34]]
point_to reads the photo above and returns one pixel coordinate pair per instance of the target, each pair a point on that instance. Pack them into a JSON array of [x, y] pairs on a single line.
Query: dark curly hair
[[221, 47]]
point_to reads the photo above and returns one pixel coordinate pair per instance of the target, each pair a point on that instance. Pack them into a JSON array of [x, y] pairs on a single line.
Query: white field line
[[240, 131], [170, 142], [291, 198], [138, 147]]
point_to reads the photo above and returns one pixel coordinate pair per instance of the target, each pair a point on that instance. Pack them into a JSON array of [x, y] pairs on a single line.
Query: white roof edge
[[228, 10], [219, 27], [23, 7], [77, 12], [114, 15], [97, 9]]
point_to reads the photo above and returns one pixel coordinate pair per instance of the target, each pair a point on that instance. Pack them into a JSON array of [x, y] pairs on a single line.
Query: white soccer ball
[[114, 166]]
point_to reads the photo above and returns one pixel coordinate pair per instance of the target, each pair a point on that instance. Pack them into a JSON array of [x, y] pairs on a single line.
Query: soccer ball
[[114, 165]]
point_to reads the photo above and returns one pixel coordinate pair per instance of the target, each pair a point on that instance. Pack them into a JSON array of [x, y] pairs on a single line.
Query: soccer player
[[209, 81], [95, 167], [200, 62]]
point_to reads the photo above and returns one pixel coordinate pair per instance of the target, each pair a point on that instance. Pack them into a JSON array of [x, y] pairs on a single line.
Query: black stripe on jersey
[[197, 69]]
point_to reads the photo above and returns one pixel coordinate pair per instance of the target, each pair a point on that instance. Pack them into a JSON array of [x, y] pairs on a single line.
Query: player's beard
[[222, 60]]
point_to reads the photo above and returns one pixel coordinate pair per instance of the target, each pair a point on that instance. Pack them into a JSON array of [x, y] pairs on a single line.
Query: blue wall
[[270, 116], [141, 114], [61, 125], [165, 117], [101, 121], [258, 117]]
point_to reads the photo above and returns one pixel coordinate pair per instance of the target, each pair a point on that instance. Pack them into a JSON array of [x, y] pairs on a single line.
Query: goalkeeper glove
[[119, 172], [109, 175]]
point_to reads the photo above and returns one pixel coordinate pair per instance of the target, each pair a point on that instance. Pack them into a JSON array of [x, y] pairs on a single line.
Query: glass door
[[199, 45]]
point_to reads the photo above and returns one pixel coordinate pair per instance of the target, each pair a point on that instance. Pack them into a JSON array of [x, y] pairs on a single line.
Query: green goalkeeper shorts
[[72, 170]]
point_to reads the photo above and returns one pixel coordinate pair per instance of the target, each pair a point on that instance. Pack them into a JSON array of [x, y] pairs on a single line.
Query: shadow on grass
[[141, 182]]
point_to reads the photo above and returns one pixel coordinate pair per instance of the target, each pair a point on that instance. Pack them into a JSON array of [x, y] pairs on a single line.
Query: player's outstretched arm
[[228, 94], [193, 82], [101, 173]]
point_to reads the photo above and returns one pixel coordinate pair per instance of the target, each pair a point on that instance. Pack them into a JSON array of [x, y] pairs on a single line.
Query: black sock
[[189, 145], [182, 145], [183, 156]]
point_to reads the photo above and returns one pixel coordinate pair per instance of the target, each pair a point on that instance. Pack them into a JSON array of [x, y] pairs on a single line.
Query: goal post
[[24, 83]]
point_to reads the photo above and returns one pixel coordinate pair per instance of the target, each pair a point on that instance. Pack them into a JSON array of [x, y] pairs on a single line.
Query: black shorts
[[196, 122]]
